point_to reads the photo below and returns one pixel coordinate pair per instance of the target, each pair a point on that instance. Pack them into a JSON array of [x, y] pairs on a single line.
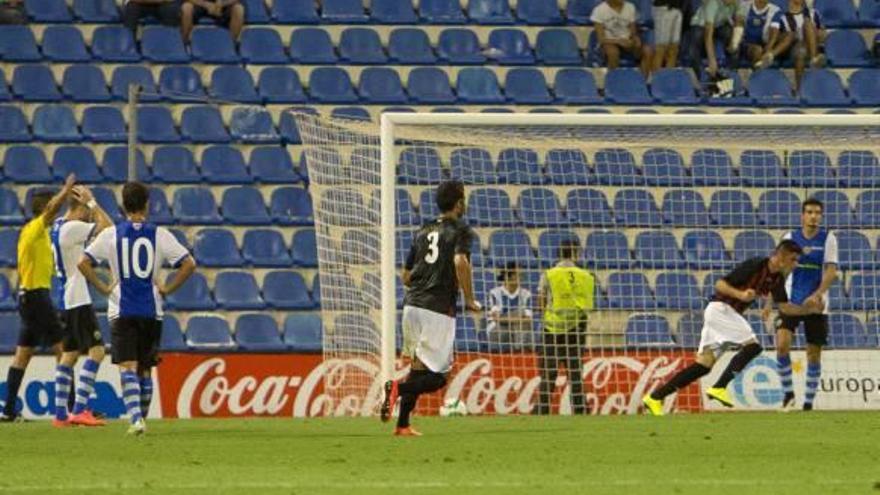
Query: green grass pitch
[[739, 453]]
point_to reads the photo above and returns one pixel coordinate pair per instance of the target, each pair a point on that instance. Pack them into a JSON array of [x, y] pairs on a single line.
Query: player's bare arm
[[54, 204], [102, 219], [463, 273], [829, 275], [406, 277], [726, 289], [186, 269], [88, 270]]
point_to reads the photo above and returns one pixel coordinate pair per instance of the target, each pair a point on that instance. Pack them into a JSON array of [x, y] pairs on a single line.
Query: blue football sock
[[86, 385], [63, 376]]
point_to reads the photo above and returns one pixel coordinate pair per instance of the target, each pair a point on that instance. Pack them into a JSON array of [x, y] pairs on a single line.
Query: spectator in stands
[[802, 38], [668, 15], [510, 310], [225, 13], [167, 12], [757, 26], [12, 12], [616, 30], [712, 22]]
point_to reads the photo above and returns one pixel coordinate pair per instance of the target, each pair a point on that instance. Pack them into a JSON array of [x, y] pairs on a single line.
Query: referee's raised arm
[[50, 211]]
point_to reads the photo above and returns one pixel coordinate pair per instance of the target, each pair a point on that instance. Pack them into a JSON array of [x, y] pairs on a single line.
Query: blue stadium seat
[[854, 251], [836, 210], [213, 45], [762, 168], [351, 113], [291, 206], [331, 85], [684, 208], [160, 210], [48, 11], [84, 83], [690, 326], [489, 12], [17, 44], [407, 46], [125, 75], [607, 249], [864, 87], [779, 209], [244, 206], [262, 46], [7, 299], [770, 87], [732, 208], [674, 87], [343, 12], [64, 44], [576, 87], [658, 250], [664, 167], [34, 83], [163, 45], [616, 167], [392, 12], [181, 83], [209, 333], [823, 88], [225, 165], [114, 44], [837, 13], [478, 86], [203, 124], [10, 211], [303, 248], [26, 164], [286, 290], [303, 332], [4, 88], [539, 12], [195, 206], [96, 11], [510, 47], [752, 243], [8, 247], [858, 169], [527, 87], [567, 167], [459, 46], [10, 327], [381, 85], [864, 291], [704, 250], [441, 12], [846, 48], [629, 290], [175, 165], [428, 204], [55, 124], [280, 85], [473, 166], [429, 86], [272, 165], [557, 47], [626, 87], [216, 248], [107, 200], [155, 125], [419, 166], [869, 13], [867, 208], [115, 163], [237, 291], [548, 245], [579, 11], [539, 207], [251, 125], [258, 332], [872, 332], [713, 167], [490, 207], [849, 333], [265, 248], [678, 290], [233, 84], [519, 166], [361, 46], [77, 160], [405, 211], [588, 208], [648, 331], [312, 46], [295, 12], [193, 295]]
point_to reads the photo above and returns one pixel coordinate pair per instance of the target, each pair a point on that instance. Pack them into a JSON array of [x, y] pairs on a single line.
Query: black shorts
[[815, 327], [81, 330], [223, 21], [40, 326], [135, 339]]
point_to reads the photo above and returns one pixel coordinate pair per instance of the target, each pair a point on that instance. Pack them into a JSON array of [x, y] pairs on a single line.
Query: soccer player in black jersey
[[724, 325], [438, 265]]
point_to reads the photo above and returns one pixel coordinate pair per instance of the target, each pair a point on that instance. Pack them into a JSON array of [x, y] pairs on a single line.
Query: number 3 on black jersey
[[433, 248]]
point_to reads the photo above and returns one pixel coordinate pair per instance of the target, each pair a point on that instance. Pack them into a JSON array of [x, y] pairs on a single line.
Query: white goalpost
[[659, 206]]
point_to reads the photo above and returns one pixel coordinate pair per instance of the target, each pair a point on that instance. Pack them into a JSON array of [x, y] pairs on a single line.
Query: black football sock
[[738, 363], [682, 379], [407, 404], [422, 382], [13, 383]]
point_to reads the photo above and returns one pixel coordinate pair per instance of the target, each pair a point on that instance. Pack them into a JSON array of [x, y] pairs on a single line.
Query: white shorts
[[723, 327], [430, 337], [667, 26]]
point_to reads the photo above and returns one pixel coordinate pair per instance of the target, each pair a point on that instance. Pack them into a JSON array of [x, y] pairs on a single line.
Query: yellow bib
[[35, 261], [571, 296]]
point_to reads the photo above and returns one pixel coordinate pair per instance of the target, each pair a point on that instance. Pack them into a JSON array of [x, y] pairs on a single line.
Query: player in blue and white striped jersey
[[136, 251], [802, 37]]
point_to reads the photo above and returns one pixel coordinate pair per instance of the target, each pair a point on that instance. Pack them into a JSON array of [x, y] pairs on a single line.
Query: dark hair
[[789, 246], [568, 249], [812, 202], [507, 271], [134, 197], [39, 200], [449, 193]]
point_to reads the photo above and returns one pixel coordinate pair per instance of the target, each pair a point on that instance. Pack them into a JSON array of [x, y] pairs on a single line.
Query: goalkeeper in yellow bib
[[565, 294]]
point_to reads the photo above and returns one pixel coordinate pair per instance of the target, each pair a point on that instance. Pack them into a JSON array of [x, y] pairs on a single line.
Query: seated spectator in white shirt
[[617, 33], [510, 310], [802, 38]]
